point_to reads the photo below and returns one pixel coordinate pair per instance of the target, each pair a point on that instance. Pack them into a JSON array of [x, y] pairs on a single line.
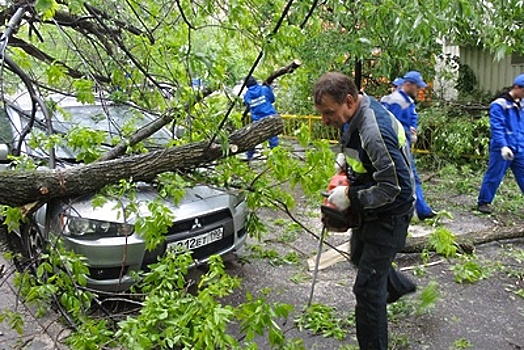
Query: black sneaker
[[485, 208], [431, 215], [393, 297]]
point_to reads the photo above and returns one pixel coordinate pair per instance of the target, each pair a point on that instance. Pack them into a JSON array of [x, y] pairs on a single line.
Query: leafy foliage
[[428, 298], [14, 320], [459, 139], [57, 280], [470, 269], [462, 343], [173, 318], [443, 241], [322, 319]]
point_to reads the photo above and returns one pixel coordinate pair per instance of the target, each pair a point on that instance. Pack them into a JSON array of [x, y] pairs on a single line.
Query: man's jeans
[[373, 249]]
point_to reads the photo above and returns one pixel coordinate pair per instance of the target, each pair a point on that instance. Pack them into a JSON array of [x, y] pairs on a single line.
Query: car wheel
[[28, 246], [34, 242]]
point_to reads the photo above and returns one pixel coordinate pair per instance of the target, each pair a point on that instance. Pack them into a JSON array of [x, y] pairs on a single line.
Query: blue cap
[[519, 80], [398, 81], [416, 78]]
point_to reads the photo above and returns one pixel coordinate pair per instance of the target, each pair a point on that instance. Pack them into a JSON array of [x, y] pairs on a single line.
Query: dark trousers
[[373, 249]]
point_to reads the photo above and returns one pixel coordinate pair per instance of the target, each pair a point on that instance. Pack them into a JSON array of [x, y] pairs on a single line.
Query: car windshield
[[118, 121]]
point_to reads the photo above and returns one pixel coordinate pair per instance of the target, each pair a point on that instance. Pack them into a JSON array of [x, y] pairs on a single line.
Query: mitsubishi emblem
[[196, 225]]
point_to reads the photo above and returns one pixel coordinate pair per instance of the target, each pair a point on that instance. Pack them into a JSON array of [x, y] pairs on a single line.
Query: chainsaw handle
[[325, 194]]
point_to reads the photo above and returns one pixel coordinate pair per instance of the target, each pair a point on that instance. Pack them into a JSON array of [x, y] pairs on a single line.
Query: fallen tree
[[48, 184], [467, 241]]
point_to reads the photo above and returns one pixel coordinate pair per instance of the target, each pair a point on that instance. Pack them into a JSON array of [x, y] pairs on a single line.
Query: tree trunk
[[469, 240], [21, 187]]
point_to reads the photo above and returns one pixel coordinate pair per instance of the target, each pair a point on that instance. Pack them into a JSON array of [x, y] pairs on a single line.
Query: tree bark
[[469, 240], [18, 188], [287, 69]]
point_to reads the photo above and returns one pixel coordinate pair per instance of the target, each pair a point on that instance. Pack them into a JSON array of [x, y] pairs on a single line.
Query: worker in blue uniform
[[401, 103], [259, 98], [506, 147]]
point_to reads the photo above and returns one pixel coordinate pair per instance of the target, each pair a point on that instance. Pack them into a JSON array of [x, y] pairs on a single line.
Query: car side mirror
[[179, 131]]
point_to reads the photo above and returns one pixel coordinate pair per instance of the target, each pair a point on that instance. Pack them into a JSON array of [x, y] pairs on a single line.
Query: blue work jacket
[[259, 99], [403, 108], [506, 117]]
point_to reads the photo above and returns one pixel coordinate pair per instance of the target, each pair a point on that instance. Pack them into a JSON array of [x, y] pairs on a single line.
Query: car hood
[[197, 201]]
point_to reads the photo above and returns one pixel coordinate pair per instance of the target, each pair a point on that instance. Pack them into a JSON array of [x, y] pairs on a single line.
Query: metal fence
[[317, 130], [314, 124]]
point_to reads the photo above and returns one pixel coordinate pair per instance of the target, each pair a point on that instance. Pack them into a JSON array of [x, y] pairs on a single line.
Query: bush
[[454, 135]]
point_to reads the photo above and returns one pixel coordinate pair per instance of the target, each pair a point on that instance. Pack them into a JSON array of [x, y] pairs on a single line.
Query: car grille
[[107, 273], [208, 220], [185, 229]]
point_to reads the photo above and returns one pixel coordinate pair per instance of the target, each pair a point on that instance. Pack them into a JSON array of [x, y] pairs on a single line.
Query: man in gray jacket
[[382, 194]]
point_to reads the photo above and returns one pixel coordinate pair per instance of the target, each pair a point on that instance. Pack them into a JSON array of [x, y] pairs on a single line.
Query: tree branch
[[469, 240], [49, 184], [44, 57]]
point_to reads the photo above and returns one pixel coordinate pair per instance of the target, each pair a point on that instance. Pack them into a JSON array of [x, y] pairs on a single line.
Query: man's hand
[[340, 163], [339, 197], [506, 153]]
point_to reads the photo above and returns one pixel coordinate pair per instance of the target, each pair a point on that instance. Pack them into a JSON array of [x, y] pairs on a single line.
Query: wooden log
[[21, 187], [466, 241]]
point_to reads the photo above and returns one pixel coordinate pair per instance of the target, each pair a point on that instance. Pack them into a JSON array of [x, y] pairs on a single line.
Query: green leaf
[[84, 91], [47, 8], [54, 74]]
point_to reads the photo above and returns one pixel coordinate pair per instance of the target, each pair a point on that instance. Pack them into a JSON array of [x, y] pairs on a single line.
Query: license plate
[[198, 241]]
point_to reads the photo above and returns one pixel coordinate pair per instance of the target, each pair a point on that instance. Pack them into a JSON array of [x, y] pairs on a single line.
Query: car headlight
[[88, 228], [237, 198]]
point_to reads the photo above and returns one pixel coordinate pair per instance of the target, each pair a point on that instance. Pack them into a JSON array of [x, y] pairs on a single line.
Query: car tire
[[27, 246], [13, 241]]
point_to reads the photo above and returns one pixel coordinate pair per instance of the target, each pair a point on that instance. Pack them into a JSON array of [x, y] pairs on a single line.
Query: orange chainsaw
[[334, 219]]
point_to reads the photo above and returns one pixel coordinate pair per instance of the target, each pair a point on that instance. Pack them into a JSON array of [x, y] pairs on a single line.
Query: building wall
[[492, 75], [446, 74]]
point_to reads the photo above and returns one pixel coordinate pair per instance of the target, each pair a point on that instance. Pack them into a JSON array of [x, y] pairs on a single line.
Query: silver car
[[206, 220]]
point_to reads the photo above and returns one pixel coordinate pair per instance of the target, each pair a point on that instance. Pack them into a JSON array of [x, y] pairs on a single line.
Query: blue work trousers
[[422, 208], [497, 168], [373, 249], [273, 141]]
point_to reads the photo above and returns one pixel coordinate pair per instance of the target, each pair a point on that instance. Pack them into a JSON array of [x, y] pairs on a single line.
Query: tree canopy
[[139, 51], [181, 60]]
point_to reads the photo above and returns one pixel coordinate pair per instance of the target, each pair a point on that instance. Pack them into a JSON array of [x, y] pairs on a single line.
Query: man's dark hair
[[335, 84], [251, 81]]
